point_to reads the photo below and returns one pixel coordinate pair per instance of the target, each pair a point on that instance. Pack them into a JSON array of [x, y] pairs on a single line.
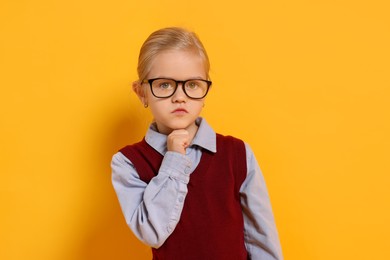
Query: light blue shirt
[[152, 210]]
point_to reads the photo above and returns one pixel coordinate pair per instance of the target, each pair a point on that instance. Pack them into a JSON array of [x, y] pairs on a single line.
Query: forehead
[[178, 64]]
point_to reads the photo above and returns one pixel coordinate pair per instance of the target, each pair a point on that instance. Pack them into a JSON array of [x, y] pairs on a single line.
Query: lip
[[179, 111]]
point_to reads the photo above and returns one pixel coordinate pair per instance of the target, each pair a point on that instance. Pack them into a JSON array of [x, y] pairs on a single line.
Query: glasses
[[165, 88]]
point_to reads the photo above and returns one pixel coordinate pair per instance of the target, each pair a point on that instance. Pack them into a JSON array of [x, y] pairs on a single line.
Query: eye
[[192, 85], [165, 85]]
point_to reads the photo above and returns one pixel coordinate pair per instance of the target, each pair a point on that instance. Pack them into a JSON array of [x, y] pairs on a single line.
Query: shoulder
[[236, 142], [232, 145], [136, 148], [228, 138], [120, 165], [133, 146]]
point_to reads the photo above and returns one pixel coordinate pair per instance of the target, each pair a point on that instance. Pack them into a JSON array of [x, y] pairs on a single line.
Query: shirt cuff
[[177, 166]]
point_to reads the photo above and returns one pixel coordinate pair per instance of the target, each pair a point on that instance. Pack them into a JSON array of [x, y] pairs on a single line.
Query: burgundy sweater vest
[[211, 224]]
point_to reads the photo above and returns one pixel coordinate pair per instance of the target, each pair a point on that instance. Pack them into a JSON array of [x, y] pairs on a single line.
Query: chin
[[176, 125], [179, 126]]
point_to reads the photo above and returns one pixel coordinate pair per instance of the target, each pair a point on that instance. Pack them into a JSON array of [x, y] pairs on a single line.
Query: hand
[[178, 141]]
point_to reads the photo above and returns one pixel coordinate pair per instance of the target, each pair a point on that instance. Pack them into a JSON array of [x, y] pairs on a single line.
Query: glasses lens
[[196, 88], [163, 87]]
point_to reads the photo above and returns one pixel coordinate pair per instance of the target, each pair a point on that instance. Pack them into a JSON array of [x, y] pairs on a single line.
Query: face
[[177, 111]]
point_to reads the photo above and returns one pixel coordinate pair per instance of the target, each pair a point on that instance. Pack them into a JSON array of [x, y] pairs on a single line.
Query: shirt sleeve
[[152, 210], [261, 236]]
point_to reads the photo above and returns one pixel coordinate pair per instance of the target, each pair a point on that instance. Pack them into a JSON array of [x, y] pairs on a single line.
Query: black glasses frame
[[177, 82]]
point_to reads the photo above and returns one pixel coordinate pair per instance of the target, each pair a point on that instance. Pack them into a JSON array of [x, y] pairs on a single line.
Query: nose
[[179, 95]]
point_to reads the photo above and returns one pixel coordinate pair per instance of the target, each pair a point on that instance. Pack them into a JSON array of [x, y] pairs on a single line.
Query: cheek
[[198, 106], [158, 106]]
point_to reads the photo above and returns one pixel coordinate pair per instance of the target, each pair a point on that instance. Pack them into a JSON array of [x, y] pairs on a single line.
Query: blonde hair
[[172, 38]]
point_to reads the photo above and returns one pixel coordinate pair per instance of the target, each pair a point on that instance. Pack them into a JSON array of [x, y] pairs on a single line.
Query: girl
[[186, 191]]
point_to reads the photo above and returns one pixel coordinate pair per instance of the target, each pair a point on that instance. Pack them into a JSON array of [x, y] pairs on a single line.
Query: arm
[[261, 236], [151, 210]]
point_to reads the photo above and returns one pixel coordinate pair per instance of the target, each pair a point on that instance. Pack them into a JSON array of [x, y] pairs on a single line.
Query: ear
[[140, 91]]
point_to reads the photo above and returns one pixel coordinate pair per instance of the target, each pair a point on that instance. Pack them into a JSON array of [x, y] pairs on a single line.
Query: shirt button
[[181, 199], [187, 169]]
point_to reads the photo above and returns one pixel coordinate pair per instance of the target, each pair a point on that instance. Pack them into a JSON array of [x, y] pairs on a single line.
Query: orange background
[[305, 83]]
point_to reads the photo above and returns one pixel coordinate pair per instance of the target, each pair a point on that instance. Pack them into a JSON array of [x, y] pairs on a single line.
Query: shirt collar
[[205, 137]]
